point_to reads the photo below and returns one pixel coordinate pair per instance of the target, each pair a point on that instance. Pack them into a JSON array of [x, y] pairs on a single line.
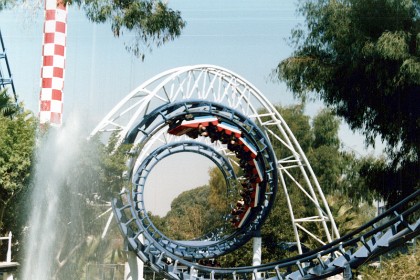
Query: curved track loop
[[216, 84], [389, 230], [242, 137], [165, 151]]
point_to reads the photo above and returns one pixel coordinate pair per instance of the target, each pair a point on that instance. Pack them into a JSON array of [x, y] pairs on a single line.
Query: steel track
[[179, 259], [387, 231], [141, 118]]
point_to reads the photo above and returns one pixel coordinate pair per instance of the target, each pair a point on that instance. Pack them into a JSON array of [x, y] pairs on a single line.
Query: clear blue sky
[[244, 36]]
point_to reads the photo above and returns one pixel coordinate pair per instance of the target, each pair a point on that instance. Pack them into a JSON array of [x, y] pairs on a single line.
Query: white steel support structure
[[8, 264], [256, 253], [213, 83]]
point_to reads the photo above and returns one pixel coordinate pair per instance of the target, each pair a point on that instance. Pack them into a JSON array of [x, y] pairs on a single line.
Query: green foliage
[[7, 107], [299, 124], [17, 142], [347, 216], [353, 182], [278, 227], [218, 198], [401, 267], [393, 182], [327, 163], [239, 257], [325, 126], [337, 171], [151, 22], [361, 57], [189, 215], [324, 155], [196, 212]]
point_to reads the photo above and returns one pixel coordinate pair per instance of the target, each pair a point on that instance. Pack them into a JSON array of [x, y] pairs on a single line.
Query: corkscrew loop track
[[211, 111]]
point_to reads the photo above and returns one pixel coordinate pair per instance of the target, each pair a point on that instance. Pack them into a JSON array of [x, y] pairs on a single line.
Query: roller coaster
[[215, 113]]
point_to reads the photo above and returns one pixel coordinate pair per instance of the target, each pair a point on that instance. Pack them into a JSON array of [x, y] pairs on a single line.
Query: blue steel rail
[[198, 119], [350, 251], [139, 188], [195, 118]]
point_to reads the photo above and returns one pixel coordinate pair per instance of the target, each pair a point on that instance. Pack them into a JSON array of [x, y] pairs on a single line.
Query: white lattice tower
[[53, 63]]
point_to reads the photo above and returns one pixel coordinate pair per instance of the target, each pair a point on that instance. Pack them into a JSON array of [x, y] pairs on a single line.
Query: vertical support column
[[53, 63], [256, 252], [6, 275], [134, 267], [9, 248], [347, 273]]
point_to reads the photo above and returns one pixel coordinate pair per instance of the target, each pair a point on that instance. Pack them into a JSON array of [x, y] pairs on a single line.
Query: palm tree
[[349, 217], [7, 107]]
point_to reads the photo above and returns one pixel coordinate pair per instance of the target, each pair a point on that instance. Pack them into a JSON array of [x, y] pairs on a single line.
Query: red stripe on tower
[[53, 59]]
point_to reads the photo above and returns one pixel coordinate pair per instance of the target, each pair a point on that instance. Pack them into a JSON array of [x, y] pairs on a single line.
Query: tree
[[7, 107], [348, 216], [324, 154], [198, 211], [17, 142], [361, 58], [337, 171], [325, 127], [152, 23], [187, 218]]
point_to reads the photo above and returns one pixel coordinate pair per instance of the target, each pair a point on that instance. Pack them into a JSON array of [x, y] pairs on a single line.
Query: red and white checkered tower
[[53, 63]]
